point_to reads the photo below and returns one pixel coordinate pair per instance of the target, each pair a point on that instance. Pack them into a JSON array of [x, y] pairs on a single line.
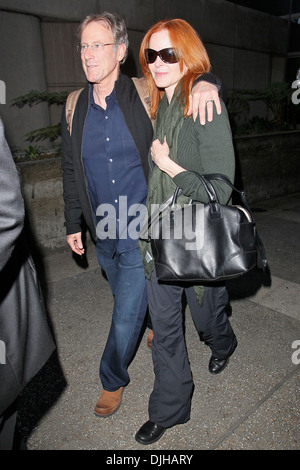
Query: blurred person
[[171, 56], [26, 342]]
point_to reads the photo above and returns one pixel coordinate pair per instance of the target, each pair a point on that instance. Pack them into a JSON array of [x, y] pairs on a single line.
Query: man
[[104, 161]]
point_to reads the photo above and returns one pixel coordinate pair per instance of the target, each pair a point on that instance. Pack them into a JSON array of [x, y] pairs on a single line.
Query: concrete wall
[[22, 69], [37, 47], [268, 165], [43, 195]]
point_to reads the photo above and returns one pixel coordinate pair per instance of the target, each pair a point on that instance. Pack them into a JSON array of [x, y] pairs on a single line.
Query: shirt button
[[107, 139], [106, 117], [113, 181], [116, 200], [110, 159]]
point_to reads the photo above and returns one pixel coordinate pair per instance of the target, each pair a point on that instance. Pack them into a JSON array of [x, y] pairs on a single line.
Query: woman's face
[[164, 75]]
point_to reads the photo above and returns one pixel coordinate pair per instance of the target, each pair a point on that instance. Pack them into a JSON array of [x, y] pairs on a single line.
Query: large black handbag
[[204, 242]]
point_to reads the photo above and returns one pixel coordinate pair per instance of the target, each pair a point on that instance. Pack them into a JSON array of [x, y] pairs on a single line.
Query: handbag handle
[[261, 253], [171, 201], [220, 177], [210, 190]]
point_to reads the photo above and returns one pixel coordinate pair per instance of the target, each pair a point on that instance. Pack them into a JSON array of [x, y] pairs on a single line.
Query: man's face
[[100, 65]]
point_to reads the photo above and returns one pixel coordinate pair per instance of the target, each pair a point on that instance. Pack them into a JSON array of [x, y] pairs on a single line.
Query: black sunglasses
[[169, 55]]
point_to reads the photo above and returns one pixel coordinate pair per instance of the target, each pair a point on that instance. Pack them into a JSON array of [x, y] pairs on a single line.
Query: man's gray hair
[[112, 21]]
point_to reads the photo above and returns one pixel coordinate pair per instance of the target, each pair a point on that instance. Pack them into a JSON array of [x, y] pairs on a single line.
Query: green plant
[[32, 152], [276, 96], [35, 97], [255, 125], [50, 132]]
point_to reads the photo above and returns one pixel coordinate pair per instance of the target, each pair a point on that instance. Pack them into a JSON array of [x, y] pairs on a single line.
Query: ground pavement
[[252, 405]]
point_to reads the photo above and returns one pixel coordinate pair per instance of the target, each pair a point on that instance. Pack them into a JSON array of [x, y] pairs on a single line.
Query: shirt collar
[[110, 99]]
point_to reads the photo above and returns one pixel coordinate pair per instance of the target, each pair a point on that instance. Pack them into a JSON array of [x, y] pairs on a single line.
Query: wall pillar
[[21, 51]]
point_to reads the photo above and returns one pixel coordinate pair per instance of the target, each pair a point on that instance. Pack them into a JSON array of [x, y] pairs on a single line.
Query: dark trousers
[[170, 400]]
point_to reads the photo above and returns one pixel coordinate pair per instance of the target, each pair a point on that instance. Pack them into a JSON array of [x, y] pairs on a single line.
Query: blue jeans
[[126, 277]]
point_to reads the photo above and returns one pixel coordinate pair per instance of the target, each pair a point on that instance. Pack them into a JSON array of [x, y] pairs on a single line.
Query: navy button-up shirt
[[116, 182]]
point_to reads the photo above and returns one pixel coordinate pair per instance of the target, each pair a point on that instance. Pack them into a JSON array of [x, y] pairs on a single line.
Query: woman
[[172, 56]]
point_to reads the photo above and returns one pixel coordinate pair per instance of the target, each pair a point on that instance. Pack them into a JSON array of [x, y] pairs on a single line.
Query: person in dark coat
[[26, 342]]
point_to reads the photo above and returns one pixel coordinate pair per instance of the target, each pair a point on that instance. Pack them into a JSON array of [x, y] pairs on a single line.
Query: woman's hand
[[160, 156], [160, 153]]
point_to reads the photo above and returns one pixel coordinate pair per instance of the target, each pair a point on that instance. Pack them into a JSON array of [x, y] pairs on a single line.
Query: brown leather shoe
[[108, 403], [149, 339]]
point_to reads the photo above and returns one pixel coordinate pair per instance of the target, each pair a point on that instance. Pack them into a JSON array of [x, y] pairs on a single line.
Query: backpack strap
[[141, 88], [70, 107]]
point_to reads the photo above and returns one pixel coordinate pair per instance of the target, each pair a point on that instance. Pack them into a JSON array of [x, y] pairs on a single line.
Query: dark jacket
[[26, 341], [77, 202]]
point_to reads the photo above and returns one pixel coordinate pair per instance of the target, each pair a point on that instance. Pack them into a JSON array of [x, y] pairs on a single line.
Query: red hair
[[191, 51]]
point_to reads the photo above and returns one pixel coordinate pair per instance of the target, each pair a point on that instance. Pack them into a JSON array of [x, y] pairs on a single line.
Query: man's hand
[[203, 97], [75, 243]]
